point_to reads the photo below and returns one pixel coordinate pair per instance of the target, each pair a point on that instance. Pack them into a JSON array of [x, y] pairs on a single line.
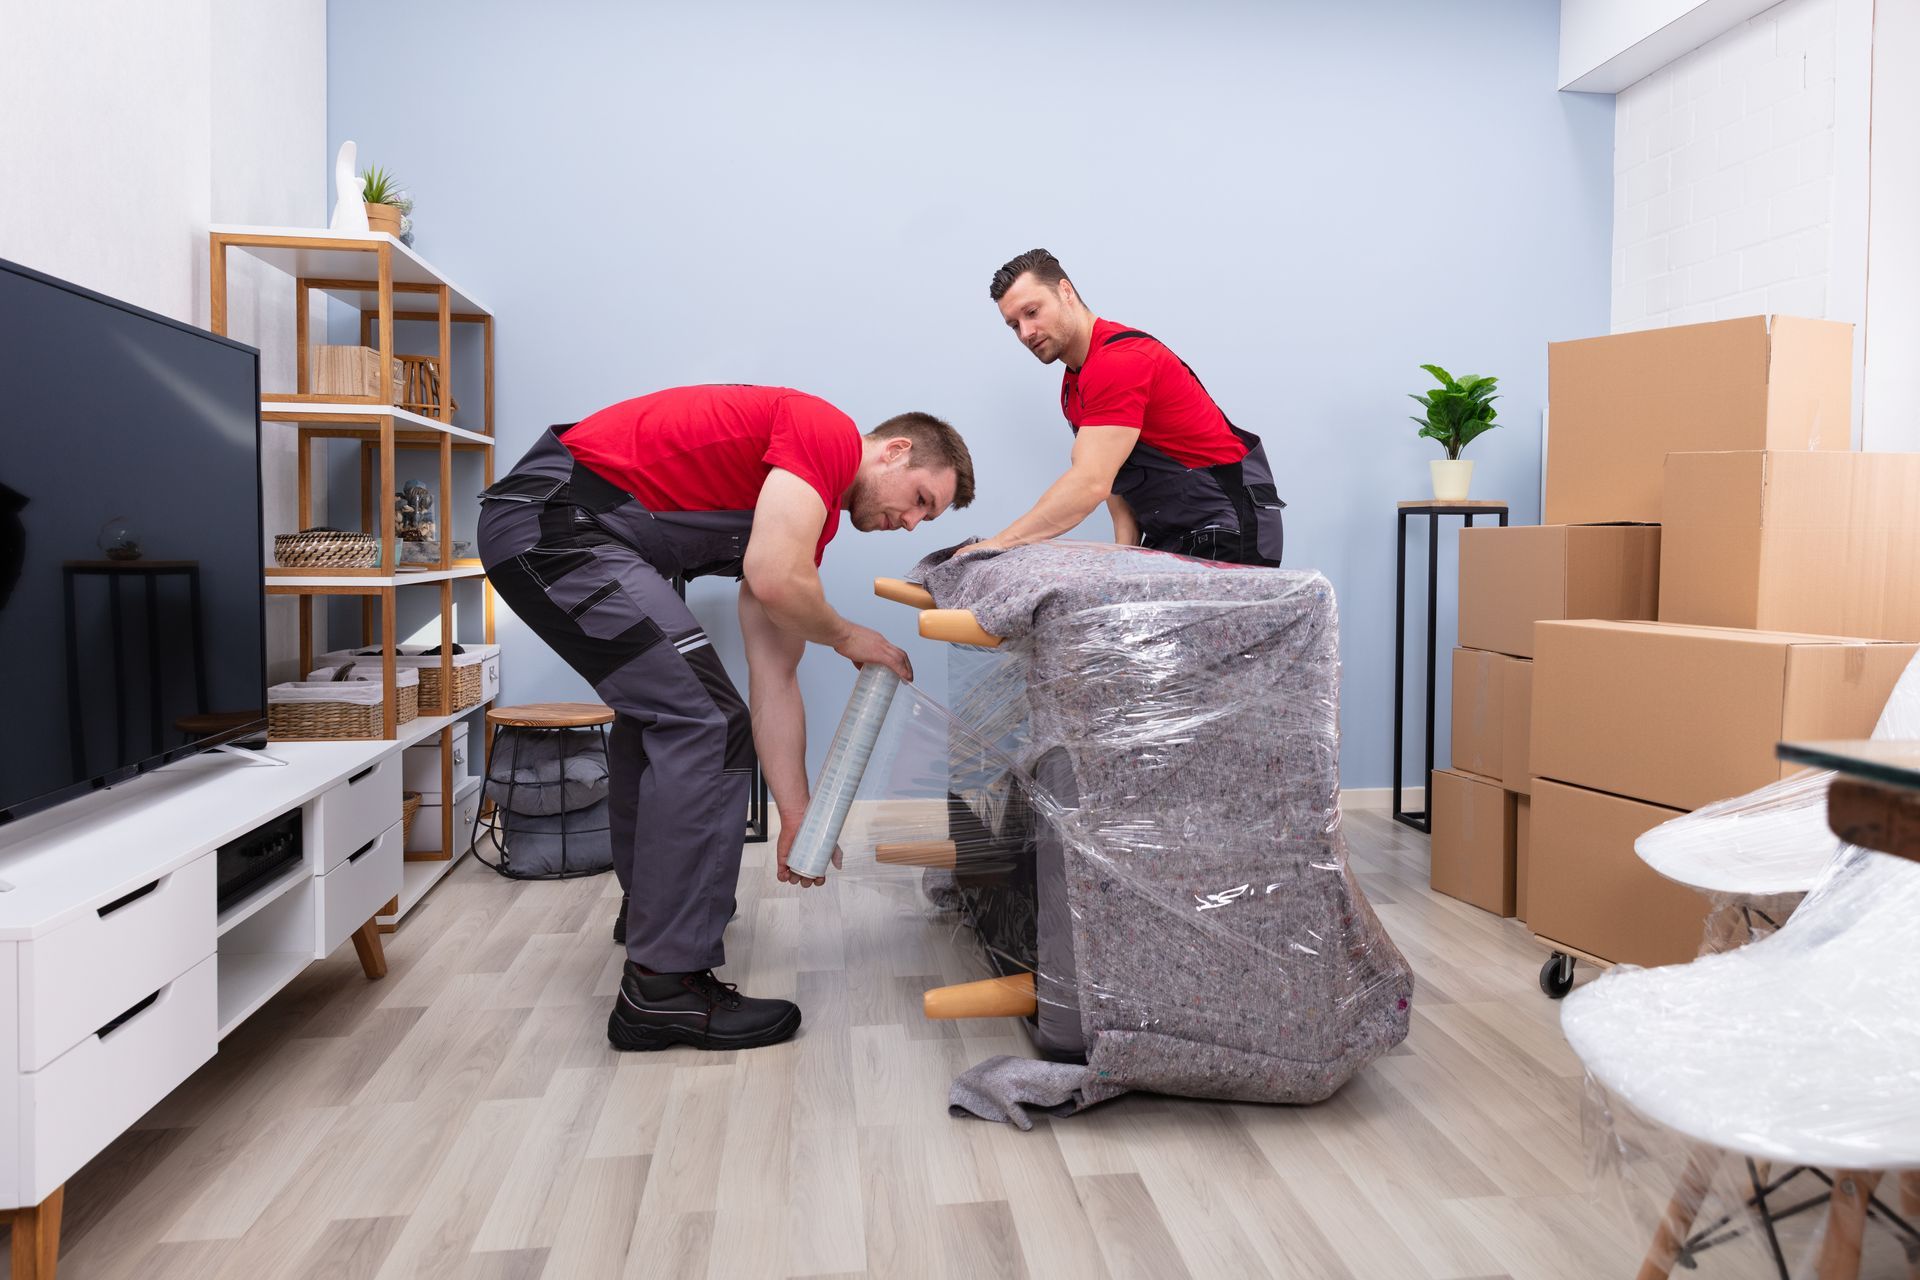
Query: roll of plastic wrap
[[846, 764]]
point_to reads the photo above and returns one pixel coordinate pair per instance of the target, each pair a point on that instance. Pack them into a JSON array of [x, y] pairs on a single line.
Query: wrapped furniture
[[1142, 820]]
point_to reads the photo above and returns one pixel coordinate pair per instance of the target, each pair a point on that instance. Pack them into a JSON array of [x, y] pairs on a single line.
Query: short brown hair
[[935, 444], [1043, 266]]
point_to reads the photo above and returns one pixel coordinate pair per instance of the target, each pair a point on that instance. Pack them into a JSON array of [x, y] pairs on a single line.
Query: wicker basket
[[466, 686], [324, 709], [409, 805], [326, 549]]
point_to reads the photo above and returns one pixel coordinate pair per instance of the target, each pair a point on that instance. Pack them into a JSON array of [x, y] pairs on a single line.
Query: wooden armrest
[[918, 853], [994, 998], [956, 626], [900, 591]]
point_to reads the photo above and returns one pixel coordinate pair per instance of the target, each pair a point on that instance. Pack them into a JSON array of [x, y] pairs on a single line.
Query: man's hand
[[786, 874], [973, 548], [862, 645]]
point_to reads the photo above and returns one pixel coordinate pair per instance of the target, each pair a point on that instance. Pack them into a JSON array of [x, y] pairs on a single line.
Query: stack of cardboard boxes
[[1699, 476]]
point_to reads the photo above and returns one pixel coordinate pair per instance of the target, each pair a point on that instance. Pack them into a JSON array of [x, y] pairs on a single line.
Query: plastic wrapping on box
[[1801, 1049], [1136, 801]]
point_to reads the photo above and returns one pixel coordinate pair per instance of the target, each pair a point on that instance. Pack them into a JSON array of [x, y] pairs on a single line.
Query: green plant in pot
[[386, 203], [1458, 411]]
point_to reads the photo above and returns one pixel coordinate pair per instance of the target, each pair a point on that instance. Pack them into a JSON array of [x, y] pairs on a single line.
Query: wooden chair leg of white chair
[[1677, 1222], [918, 853], [1009, 997], [1846, 1224]]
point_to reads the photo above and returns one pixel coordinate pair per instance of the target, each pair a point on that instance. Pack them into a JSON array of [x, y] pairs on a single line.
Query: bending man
[[1148, 439], [583, 540]]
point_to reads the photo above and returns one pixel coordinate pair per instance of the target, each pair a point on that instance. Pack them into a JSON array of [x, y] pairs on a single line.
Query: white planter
[[1452, 477]]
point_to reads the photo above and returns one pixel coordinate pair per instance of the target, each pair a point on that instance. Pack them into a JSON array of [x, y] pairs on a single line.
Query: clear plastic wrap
[[1133, 803], [1713, 1081]]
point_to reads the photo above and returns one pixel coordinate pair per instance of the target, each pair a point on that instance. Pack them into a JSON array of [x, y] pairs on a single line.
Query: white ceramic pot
[[1452, 477]]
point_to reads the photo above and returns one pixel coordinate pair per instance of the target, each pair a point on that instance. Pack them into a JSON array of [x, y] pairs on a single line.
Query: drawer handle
[[118, 1022], [363, 773], [364, 850], [128, 899]]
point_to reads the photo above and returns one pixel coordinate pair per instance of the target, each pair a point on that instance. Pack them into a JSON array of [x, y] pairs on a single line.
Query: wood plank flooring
[[465, 1118]]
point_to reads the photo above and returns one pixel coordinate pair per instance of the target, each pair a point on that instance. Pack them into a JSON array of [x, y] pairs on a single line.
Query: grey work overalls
[[1201, 511], [590, 570]]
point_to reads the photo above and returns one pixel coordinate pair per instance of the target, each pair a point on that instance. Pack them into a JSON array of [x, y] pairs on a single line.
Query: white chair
[[1801, 1051]]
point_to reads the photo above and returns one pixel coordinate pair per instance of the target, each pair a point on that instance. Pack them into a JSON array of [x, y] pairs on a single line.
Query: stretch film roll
[[846, 764]]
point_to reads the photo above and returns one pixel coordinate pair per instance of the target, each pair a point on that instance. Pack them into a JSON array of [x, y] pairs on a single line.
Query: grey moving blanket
[[1182, 761]]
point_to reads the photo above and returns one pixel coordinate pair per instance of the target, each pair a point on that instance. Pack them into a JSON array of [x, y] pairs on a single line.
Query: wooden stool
[[537, 717]]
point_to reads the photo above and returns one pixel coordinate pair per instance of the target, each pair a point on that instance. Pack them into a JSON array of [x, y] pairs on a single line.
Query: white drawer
[[490, 676], [424, 835], [352, 892], [83, 973], [72, 1108], [358, 810], [422, 763]]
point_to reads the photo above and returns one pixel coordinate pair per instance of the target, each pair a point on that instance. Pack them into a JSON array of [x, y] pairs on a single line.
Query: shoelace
[[715, 991]]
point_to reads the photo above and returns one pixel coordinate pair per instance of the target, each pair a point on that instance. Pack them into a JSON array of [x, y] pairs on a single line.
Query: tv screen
[[132, 615]]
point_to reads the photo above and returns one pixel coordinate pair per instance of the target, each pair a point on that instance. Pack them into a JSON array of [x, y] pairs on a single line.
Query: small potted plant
[[1457, 412], [386, 203]]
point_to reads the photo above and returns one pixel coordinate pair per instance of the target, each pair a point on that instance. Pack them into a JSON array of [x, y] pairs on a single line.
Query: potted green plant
[[386, 203], [1457, 412]]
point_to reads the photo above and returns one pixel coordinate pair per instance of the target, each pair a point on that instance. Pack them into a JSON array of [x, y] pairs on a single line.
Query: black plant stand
[[1423, 820]]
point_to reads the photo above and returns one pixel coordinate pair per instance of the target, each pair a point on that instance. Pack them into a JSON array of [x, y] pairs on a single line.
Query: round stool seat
[[551, 715]]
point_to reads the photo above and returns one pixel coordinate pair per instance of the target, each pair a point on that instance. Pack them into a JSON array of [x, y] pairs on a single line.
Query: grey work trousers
[[680, 754]]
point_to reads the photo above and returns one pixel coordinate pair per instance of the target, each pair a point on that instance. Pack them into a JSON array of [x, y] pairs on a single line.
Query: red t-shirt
[[1137, 382], [710, 448]]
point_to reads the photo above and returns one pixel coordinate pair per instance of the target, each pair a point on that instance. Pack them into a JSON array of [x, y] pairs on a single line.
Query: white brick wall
[[1723, 196]]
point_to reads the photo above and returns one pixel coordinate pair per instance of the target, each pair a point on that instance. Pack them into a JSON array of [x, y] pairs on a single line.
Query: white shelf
[[294, 877], [250, 979], [355, 264], [320, 415], [415, 879], [420, 729], [373, 581]]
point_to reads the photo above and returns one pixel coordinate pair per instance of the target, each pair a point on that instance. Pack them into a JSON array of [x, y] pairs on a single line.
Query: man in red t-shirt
[[1148, 439], [585, 541]]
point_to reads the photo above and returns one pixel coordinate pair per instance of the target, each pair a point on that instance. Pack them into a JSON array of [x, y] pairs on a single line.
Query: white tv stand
[[119, 976]]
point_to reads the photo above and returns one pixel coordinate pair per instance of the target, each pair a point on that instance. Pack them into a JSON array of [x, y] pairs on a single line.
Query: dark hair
[[935, 444], [1042, 265]]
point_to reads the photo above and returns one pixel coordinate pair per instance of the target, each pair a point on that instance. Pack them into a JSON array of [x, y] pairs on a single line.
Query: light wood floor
[[466, 1118]]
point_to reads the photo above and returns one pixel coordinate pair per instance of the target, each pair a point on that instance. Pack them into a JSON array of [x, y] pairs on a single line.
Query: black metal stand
[[757, 792], [1423, 820]]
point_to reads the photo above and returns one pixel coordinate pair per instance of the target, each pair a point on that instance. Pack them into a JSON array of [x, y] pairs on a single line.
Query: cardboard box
[[1479, 711], [1511, 578], [1587, 888], [1619, 405], [1827, 543], [1683, 716], [1516, 739], [1522, 844], [1472, 844]]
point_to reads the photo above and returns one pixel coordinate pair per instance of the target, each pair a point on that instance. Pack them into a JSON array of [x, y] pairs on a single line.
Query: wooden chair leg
[[1846, 1224], [373, 956], [1009, 997], [1677, 1222], [36, 1238], [1910, 1210]]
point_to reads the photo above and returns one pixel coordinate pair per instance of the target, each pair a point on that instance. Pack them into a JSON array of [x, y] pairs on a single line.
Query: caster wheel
[[1556, 975]]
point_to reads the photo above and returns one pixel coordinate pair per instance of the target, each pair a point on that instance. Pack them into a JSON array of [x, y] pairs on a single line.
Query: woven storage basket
[[317, 709], [469, 671], [409, 805], [406, 685], [326, 549], [466, 686]]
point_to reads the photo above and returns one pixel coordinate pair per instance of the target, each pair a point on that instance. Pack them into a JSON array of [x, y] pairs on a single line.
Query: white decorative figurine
[[349, 213]]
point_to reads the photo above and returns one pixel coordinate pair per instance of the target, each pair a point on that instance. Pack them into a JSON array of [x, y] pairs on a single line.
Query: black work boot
[[620, 923], [659, 1010]]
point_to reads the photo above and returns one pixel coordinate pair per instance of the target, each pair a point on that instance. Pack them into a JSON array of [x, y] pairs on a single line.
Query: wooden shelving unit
[[388, 284]]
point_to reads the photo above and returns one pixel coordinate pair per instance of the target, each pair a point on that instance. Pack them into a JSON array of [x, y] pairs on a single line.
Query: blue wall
[[1306, 201]]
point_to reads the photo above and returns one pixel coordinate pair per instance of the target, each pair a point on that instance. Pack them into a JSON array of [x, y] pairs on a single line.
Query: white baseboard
[[1412, 799]]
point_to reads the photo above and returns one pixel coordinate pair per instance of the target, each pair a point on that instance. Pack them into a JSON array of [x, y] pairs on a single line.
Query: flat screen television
[[132, 614]]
